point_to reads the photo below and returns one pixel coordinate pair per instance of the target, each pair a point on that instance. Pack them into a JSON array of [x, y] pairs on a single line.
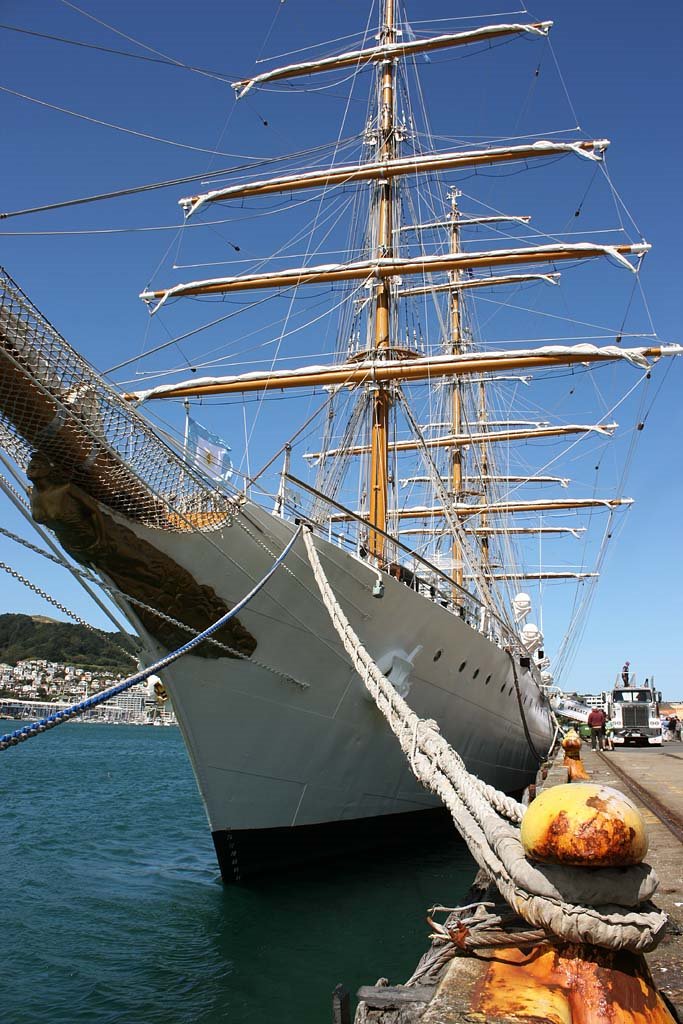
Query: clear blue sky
[[621, 65]]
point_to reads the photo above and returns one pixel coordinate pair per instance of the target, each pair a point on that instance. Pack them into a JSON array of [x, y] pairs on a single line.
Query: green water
[[113, 910]]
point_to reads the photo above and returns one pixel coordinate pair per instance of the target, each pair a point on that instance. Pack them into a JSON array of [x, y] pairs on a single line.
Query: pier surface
[[653, 779]]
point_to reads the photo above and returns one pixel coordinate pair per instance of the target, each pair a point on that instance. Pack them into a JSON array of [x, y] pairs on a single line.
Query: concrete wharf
[[653, 779]]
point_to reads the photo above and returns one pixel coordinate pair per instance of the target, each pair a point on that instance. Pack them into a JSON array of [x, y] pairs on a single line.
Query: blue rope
[[11, 739]]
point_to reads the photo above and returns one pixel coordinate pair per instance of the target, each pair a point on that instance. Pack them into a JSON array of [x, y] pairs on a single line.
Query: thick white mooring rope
[[608, 908]]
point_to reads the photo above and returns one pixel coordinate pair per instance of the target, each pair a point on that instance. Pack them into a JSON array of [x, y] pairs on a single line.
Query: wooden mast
[[484, 467], [382, 401], [456, 347]]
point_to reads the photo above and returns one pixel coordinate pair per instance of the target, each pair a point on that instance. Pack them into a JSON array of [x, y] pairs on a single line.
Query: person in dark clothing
[[626, 673], [596, 721]]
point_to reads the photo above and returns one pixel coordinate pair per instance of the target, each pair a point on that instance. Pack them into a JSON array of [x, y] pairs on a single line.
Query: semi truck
[[634, 713]]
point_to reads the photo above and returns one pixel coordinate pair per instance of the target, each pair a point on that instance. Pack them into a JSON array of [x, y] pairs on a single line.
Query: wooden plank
[[341, 1007], [388, 997]]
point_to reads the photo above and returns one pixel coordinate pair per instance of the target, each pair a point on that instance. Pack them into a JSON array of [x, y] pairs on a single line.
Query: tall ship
[[411, 443]]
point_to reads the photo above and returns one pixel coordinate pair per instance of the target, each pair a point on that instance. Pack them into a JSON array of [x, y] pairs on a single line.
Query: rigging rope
[[115, 127], [581, 907], [530, 743], [29, 731], [221, 76]]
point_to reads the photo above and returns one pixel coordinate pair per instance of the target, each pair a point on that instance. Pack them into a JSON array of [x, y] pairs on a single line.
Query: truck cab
[[634, 713]]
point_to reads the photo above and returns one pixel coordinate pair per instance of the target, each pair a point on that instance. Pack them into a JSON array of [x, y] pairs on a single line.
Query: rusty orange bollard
[[571, 745], [570, 985], [588, 826]]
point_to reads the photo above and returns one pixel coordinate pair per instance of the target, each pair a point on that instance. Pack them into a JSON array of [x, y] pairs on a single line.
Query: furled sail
[[383, 268], [406, 369], [390, 51], [371, 171]]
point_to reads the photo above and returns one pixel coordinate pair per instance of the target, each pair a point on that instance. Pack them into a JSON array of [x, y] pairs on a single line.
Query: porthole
[[487, 680], [476, 673], [462, 666], [502, 689], [510, 692], [438, 655]]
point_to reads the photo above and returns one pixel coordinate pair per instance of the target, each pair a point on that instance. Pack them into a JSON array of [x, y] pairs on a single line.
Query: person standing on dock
[[609, 729], [596, 720]]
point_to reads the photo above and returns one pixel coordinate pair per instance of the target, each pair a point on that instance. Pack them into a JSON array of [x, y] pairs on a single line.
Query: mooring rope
[[28, 732], [602, 908]]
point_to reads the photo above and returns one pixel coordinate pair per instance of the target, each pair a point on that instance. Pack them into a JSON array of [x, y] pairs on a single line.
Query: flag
[[208, 452]]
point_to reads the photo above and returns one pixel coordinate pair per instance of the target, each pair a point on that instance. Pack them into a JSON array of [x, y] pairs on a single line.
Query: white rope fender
[[576, 906]]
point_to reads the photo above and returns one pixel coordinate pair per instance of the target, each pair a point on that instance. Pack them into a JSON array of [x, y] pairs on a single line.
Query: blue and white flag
[[208, 452]]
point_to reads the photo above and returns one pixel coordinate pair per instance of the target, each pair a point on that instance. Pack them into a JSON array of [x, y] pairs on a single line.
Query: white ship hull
[[278, 758]]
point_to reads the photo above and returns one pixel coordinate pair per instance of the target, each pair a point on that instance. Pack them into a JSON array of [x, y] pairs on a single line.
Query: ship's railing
[[54, 403], [437, 584]]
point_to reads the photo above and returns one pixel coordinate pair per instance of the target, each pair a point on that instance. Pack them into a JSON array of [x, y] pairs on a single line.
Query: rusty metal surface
[[572, 985], [588, 826]]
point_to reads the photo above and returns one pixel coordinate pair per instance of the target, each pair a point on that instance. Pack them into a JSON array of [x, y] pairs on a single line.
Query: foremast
[[381, 399]]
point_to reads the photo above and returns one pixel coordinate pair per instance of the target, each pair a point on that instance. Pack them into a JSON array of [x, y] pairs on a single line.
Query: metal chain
[[21, 498], [21, 735], [114, 591], [62, 608], [262, 544]]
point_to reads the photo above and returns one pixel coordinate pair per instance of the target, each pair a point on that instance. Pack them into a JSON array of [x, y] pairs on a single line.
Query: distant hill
[[35, 636]]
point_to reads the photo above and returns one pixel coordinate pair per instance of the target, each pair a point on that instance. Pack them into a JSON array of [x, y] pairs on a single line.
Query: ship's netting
[[53, 402]]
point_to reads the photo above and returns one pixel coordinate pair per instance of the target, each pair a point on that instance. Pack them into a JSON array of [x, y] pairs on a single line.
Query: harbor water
[[115, 913]]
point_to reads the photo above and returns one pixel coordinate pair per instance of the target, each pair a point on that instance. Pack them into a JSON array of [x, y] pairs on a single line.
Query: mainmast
[[484, 468], [382, 401], [456, 347]]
